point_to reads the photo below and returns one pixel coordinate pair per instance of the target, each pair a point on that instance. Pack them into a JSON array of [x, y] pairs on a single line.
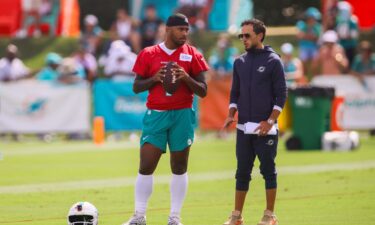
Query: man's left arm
[[196, 84], [280, 94], [279, 90]]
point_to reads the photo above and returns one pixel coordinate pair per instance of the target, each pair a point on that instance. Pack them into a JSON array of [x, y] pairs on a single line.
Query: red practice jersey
[[149, 62]]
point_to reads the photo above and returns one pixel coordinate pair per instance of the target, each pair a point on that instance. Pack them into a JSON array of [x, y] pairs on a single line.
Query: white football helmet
[[83, 213]]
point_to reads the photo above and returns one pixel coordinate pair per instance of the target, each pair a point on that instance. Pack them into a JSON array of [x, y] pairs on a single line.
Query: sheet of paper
[[249, 128]]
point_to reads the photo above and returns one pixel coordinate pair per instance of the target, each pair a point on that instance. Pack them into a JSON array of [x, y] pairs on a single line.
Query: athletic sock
[[143, 190], [178, 188]]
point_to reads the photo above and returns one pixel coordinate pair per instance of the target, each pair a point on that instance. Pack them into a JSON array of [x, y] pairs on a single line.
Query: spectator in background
[[197, 11], [11, 67], [92, 34], [120, 62], [70, 72], [331, 59], [34, 11], [57, 69], [87, 61], [293, 66], [160, 36], [65, 71], [45, 7], [222, 58], [125, 29], [347, 29], [364, 63], [309, 31], [150, 26], [330, 14], [50, 72]]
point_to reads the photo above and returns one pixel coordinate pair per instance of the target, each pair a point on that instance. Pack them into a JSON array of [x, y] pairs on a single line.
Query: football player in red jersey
[[170, 118]]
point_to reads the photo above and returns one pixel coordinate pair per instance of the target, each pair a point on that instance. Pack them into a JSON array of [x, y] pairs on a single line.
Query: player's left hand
[[180, 73], [263, 128]]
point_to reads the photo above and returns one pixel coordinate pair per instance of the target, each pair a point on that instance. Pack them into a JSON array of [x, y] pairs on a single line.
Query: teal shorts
[[172, 127]]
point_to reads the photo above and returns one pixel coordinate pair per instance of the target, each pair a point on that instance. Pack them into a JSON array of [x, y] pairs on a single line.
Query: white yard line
[[62, 149], [164, 179]]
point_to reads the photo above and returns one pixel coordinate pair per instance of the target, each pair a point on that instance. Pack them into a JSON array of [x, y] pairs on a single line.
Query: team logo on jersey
[[186, 57], [261, 69], [144, 138], [270, 142]]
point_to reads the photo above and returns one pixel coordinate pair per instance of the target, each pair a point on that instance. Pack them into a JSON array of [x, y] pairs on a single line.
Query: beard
[[253, 45], [251, 48], [178, 42]]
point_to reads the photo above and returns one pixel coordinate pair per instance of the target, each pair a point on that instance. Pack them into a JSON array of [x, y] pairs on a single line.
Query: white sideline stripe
[[68, 149], [164, 179]]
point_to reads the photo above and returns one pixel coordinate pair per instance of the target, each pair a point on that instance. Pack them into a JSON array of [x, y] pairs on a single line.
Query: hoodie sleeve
[[235, 90], [279, 86]]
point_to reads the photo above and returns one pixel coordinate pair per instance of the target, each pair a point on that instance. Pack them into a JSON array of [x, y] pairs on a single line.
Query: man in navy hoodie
[[258, 94]]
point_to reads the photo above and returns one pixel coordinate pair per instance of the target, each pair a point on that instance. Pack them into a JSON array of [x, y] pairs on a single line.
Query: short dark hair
[[258, 26]]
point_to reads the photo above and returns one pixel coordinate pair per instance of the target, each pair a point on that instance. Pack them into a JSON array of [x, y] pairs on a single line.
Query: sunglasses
[[244, 36]]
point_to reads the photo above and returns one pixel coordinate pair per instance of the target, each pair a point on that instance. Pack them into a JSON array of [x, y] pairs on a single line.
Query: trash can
[[285, 119], [311, 112]]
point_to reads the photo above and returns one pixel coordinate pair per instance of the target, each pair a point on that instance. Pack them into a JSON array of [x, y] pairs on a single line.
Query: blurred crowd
[[111, 56], [38, 17], [327, 45]]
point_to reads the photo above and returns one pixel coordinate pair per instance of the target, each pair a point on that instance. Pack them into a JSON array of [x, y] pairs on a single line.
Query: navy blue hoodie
[[258, 85]]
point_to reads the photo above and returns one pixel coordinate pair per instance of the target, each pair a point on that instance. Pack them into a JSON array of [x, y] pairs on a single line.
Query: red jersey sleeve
[[140, 67], [198, 63]]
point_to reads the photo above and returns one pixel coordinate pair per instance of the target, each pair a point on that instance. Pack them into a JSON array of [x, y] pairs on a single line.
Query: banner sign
[[32, 106], [116, 102], [358, 112]]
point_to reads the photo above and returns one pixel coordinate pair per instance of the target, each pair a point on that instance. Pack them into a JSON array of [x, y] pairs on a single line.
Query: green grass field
[[39, 182]]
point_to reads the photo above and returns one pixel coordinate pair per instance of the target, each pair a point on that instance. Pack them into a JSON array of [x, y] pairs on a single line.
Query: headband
[[177, 20]]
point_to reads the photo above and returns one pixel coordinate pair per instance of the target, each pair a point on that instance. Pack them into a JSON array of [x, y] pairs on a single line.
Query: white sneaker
[[174, 220], [269, 218], [234, 219], [136, 220]]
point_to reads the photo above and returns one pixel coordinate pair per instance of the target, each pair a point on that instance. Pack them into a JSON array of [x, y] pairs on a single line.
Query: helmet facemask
[[81, 220]]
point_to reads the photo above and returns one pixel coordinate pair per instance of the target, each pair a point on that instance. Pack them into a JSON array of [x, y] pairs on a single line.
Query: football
[[170, 84]]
